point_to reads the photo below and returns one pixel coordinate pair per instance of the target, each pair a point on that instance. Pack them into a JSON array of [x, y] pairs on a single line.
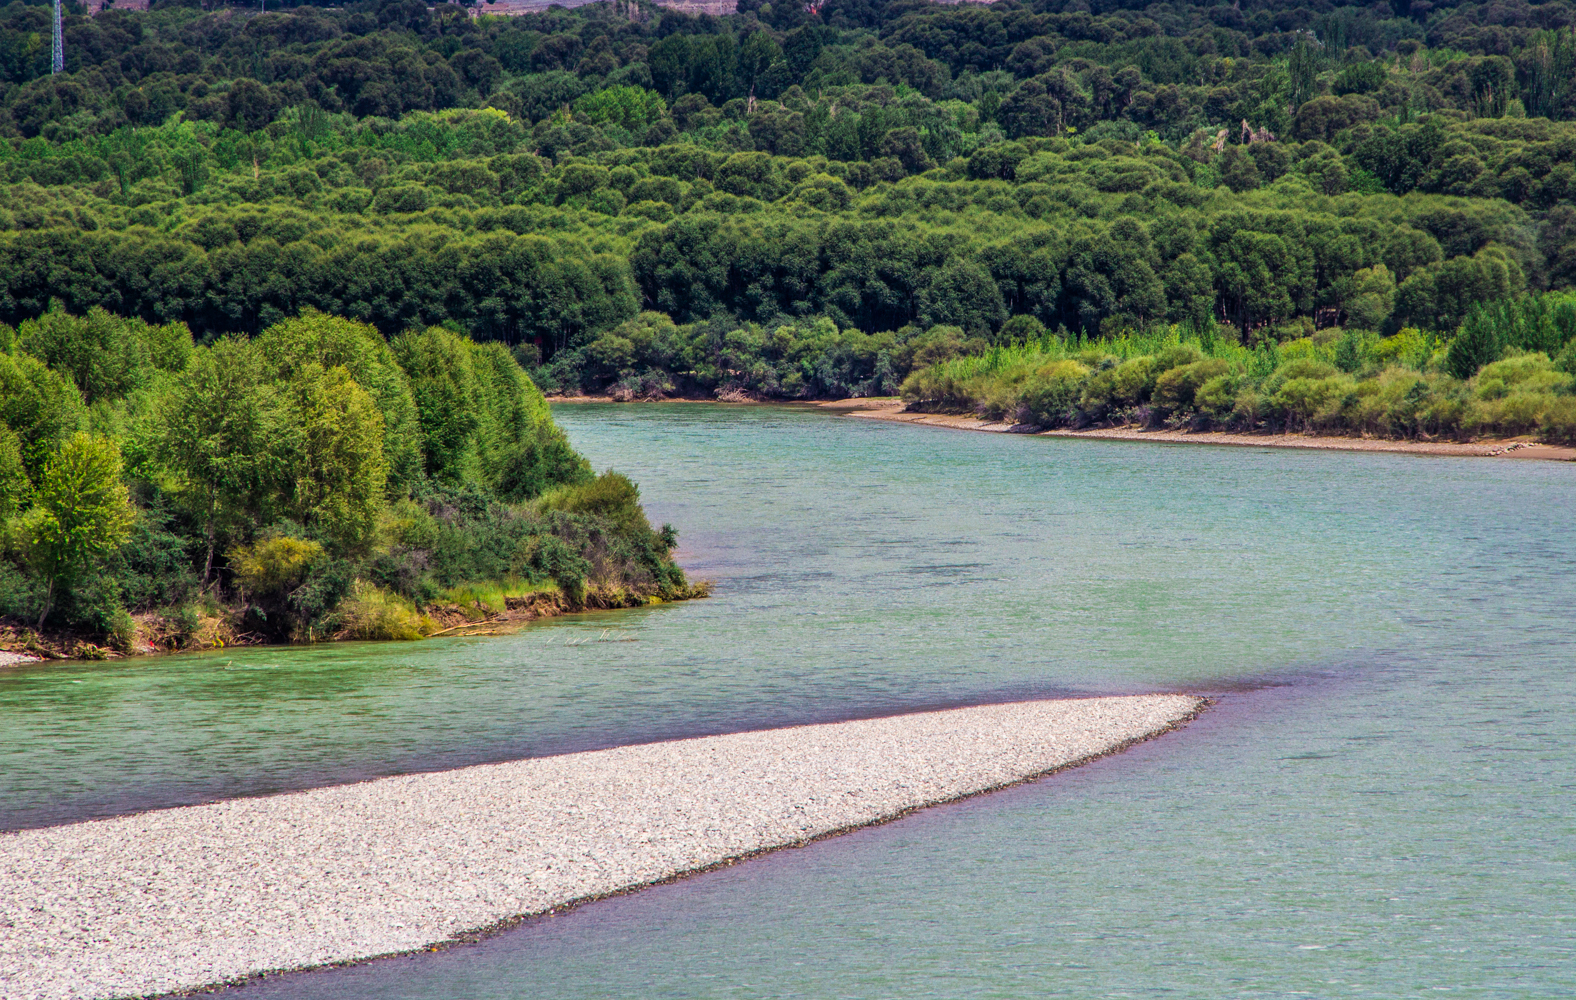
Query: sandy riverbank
[[180, 898], [892, 409], [889, 408]]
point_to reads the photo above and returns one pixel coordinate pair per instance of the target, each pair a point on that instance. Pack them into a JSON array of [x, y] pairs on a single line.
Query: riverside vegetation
[[1496, 377], [315, 481], [1273, 214], [793, 202]]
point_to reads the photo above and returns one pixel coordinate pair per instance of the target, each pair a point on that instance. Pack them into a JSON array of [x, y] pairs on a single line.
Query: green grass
[[492, 595]]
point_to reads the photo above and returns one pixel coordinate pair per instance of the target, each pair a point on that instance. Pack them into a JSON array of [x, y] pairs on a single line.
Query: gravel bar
[[180, 898]]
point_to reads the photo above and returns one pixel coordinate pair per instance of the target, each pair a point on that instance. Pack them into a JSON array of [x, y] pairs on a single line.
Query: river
[[1380, 804]]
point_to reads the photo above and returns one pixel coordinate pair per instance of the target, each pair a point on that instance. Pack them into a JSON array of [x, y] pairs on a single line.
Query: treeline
[[314, 481], [1511, 371], [792, 203], [1172, 67], [1093, 236]]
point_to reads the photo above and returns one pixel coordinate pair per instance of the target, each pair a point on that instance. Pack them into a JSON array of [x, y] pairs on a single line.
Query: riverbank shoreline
[[21, 646], [894, 410], [187, 898]]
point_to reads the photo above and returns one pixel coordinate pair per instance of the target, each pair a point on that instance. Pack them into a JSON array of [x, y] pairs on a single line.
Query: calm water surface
[[1381, 805]]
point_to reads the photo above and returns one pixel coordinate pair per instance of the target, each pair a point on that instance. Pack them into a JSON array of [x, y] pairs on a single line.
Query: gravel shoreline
[[181, 898], [893, 410]]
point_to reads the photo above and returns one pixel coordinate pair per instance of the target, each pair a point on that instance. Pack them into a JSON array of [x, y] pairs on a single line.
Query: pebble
[[177, 899]]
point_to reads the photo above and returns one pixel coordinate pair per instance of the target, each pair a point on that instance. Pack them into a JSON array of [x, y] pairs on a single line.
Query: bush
[[1559, 421], [1127, 384], [1176, 388], [1217, 397], [370, 612], [610, 497], [273, 565], [1050, 396], [1305, 401], [548, 557]]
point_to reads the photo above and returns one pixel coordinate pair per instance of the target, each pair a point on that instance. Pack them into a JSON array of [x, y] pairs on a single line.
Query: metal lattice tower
[[57, 60]]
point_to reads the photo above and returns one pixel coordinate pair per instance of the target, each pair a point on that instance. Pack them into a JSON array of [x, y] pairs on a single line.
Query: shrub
[[1515, 413], [548, 557], [273, 565], [1050, 396], [1559, 421], [1127, 384], [1406, 347], [1217, 397], [611, 497], [370, 612], [1175, 388], [1305, 401]]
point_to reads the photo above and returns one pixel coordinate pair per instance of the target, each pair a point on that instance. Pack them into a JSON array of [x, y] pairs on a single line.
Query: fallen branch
[[484, 621]]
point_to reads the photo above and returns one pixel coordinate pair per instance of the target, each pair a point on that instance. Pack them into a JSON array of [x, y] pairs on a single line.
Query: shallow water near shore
[[1379, 806]]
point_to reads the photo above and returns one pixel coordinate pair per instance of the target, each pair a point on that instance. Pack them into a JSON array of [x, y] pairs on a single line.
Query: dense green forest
[[888, 169], [1264, 214], [314, 481]]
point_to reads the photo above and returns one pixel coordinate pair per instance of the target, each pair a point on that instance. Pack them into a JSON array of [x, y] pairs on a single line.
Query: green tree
[[39, 405], [220, 432], [16, 490], [106, 356], [337, 472], [331, 342], [1373, 297], [83, 512], [443, 382], [1481, 341]]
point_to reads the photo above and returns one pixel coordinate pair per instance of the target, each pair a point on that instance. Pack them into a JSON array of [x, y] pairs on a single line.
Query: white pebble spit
[[181, 898]]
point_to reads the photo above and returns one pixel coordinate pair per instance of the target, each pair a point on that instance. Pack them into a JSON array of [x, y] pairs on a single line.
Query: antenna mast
[[57, 60]]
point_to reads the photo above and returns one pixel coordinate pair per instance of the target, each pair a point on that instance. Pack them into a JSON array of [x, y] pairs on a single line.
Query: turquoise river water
[[1381, 804]]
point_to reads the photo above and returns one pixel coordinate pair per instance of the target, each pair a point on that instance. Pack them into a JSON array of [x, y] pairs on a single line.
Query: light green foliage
[[82, 511], [16, 490], [330, 342], [221, 429], [1342, 382], [629, 108], [610, 496], [1176, 387], [370, 612], [275, 564], [41, 406], [106, 356], [335, 472], [1373, 297], [1049, 395], [483, 420], [445, 388]]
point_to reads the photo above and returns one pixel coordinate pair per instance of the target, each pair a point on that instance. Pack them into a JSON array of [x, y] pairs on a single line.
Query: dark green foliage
[[1533, 323], [549, 557], [154, 569]]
